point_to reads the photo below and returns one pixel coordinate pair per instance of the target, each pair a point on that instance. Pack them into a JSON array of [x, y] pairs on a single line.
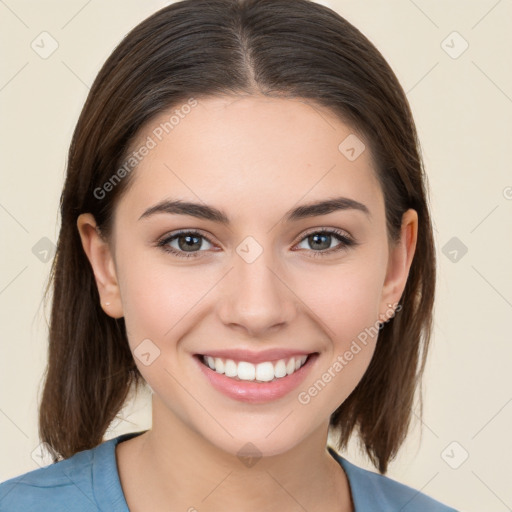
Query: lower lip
[[254, 392]]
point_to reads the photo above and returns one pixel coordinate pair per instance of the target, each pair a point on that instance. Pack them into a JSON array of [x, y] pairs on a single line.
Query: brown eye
[[320, 242], [188, 244]]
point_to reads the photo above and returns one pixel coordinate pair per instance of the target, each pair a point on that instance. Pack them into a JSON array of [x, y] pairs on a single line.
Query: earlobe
[[100, 257], [400, 259]]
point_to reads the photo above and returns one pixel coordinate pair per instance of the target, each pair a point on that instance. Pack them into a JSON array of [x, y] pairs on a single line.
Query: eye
[[188, 244], [322, 240]]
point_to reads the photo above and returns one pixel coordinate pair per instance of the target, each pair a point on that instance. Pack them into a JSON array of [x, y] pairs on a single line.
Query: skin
[[254, 158]]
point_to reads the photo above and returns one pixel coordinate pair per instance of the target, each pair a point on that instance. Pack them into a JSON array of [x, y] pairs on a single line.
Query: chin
[[257, 443]]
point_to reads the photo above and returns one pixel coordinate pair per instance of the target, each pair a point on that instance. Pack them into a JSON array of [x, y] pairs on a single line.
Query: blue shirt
[[89, 481]]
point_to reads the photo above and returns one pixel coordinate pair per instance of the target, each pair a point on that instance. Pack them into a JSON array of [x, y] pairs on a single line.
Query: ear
[[99, 255], [400, 258]]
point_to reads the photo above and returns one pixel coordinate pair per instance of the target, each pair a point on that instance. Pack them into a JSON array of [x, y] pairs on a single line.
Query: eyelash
[[339, 235]]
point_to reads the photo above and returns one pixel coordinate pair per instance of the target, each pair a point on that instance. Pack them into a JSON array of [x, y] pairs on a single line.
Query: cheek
[[345, 299], [158, 298], [346, 303], [159, 303]]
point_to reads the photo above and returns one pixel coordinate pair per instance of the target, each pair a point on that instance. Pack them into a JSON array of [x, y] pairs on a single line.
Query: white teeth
[[280, 369], [219, 365], [263, 372], [230, 368], [246, 371]]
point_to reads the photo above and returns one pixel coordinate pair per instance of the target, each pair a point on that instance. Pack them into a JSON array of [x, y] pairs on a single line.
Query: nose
[[255, 296]]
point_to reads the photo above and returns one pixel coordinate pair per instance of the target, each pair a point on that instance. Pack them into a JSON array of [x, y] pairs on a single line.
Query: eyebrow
[[202, 211]]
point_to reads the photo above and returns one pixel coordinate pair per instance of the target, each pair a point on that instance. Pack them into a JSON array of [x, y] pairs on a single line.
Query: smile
[[269, 377], [266, 371]]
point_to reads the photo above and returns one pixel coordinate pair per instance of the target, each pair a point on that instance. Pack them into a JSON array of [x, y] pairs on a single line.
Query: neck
[[184, 471]]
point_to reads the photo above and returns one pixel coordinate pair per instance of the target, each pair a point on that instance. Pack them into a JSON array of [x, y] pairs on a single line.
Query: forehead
[[250, 154]]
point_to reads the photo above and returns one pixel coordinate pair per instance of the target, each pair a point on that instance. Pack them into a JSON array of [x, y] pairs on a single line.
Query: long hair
[[204, 48]]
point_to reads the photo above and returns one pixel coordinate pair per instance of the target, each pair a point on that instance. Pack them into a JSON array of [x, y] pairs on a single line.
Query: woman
[[245, 228]]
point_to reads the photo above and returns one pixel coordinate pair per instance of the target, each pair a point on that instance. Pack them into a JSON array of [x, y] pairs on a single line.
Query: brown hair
[[201, 48]]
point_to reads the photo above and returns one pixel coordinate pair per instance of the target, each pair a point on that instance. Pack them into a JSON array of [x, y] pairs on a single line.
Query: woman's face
[[261, 284]]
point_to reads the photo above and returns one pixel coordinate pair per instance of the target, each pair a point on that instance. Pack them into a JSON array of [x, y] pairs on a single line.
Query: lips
[[253, 390]]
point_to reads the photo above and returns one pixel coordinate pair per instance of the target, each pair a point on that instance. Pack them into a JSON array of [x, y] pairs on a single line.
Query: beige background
[[463, 110]]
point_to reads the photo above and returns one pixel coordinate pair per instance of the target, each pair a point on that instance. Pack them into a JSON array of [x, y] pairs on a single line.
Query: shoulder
[[55, 486], [375, 492], [87, 481]]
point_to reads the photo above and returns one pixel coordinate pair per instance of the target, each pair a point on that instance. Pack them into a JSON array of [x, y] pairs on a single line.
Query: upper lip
[[257, 356]]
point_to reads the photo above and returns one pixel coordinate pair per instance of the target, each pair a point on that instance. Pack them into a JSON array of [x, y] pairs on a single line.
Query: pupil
[[188, 244], [315, 240]]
